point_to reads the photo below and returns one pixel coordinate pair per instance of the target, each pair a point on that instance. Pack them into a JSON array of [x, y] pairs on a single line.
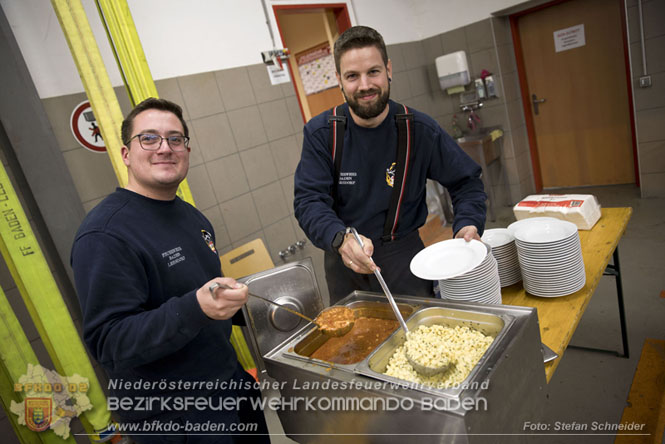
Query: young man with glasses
[[365, 164], [144, 262]]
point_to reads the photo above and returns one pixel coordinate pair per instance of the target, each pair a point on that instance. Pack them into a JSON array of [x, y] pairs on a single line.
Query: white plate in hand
[[448, 259]]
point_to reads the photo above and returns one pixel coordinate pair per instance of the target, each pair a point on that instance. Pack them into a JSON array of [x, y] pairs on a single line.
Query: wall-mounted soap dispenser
[[452, 70]]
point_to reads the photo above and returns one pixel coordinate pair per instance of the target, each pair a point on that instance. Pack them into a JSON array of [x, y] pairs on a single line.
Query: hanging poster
[[317, 69]]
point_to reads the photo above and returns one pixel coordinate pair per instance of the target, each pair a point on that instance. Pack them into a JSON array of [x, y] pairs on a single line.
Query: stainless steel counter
[[319, 400]]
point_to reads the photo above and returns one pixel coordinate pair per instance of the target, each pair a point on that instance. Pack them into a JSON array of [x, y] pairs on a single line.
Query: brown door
[[310, 32], [574, 64]]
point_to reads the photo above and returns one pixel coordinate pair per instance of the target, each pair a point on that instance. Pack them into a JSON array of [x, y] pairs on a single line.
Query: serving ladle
[[418, 367], [328, 330]]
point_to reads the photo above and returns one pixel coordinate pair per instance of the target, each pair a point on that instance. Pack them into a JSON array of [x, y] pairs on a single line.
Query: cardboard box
[[581, 209]]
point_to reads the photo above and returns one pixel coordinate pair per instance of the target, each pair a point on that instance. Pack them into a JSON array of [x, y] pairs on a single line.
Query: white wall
[[187, 37]]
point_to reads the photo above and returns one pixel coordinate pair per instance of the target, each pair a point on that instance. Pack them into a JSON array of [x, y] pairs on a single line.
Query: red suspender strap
[[404, 148]]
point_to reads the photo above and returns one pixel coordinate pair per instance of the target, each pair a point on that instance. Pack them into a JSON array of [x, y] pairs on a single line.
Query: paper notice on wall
[[317, 70], [278, 74], [569, 38]]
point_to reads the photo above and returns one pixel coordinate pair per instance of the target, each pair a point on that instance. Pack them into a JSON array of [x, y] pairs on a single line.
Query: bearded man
[[365, 165]]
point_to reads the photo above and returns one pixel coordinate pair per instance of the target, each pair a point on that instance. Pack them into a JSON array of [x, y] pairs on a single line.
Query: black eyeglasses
[[152, 142]]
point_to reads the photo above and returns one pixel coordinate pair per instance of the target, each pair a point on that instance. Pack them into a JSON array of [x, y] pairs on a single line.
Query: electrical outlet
[[645, 81]]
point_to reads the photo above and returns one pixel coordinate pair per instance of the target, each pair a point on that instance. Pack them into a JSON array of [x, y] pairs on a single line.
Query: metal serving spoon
[[420, 368], [328, 331]]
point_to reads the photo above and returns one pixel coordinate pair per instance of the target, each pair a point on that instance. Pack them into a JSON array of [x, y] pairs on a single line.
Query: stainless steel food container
[[320, 400]]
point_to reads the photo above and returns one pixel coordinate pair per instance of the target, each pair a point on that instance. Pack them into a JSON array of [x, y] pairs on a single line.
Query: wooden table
[[559, 317]]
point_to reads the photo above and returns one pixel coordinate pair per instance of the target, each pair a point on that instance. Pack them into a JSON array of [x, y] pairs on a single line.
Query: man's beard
[[370, 110]]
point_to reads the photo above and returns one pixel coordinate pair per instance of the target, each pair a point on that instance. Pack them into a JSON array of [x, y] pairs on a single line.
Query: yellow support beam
[[127, 48], [42, 297], [15, 355], [95, 79]]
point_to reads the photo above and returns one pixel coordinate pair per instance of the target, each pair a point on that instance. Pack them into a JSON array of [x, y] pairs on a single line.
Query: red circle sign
[[85, 129]]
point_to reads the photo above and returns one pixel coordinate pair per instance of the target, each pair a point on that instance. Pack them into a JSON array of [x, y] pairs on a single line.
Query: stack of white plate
[[465, 271], [550, 256], [505, 253]]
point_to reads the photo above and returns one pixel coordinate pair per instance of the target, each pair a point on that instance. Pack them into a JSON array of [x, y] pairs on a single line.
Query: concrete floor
[[591, 386]]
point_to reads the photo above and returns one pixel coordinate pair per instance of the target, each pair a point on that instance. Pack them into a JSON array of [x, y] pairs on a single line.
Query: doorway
[[573, 67], [309, 32]]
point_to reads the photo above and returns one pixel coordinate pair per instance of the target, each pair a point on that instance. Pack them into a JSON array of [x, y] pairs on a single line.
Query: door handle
[[535, 100]]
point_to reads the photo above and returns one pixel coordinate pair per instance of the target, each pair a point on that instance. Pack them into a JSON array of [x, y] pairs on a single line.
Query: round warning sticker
[[85, 129]]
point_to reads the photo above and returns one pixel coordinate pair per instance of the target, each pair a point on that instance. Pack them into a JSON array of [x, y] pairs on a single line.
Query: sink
[[477, 135]]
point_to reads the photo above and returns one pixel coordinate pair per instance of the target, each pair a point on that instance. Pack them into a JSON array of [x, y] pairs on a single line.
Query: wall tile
[[228, 177], [414, 54], [655, 48], [288, 90], [418, 80], [270, 203], [509, 87], [195, 155], [92, 173], [433, 79], [520, 141], [516, 113], [507, 149], [479, 36], [654, 18], [652, 157], [652, 97], [264, 91], [286, 153], [170, 90], [422, 103], [247, 127], [400, 88], [454, 40], [276, 120], [650, 125], [507, 61], [240, 217], [287, 189], [123, 99], [633, 24], [214, 215], [432, 48], [199, 184], [59, 111], [484, 59], [396, 58], [653, 185], [443, 104], [295, 115], [502, 31], [214, 136], [279, 236], [235, 88], [201, 94], [259, 165]]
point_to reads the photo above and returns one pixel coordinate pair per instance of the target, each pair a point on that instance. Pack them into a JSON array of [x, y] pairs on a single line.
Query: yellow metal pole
[[15, 355], [41, 295], [95, 79]]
